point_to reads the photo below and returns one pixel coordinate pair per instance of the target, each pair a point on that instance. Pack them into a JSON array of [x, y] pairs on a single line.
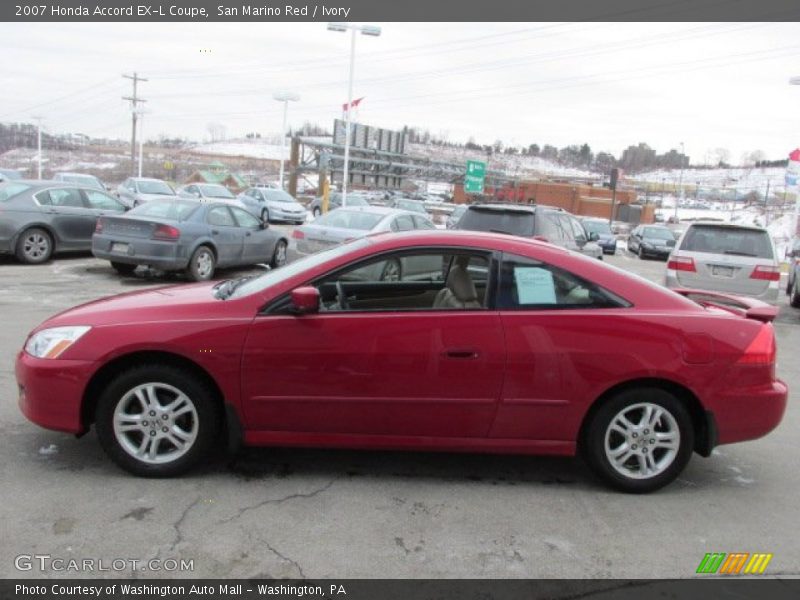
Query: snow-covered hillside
[[741, 179]]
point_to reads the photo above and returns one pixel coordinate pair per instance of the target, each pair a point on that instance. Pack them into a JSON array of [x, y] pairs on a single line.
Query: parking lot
[[289, 513]]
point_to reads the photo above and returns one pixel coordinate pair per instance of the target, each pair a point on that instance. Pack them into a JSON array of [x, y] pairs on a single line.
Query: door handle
[[248, 234], [215, 232], [462, 353]]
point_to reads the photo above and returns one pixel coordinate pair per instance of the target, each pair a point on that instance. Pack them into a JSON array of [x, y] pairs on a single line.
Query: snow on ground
[[243, 148], [741, 178]]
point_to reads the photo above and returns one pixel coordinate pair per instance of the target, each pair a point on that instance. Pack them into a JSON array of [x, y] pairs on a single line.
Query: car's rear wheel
[[794, 296], [156, 420], [279, 254], [123, 268], [34, 246], [202, 264], [640, 440], [316, 212], [392, 270]]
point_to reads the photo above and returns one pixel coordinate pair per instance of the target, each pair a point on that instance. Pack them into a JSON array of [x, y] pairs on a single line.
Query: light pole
[[38, 120], [365, 30], [680, 186], [796, 218], [284, 97], [140, 114]]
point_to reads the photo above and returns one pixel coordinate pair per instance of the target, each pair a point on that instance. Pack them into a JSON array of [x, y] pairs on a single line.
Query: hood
[[170, 303]]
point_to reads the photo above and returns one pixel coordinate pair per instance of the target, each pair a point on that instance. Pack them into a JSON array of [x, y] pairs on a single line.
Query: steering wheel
[[341, 297]]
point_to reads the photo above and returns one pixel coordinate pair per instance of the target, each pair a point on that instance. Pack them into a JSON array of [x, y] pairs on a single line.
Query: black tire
[[593, 444], [279, 254], [204, 422], [34, 246], [392, 270], [265, 215], [202, 264], [794, 296], [123, 268], [641, 252], [316, 212]]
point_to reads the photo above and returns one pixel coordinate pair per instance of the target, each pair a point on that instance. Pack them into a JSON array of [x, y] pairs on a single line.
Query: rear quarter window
[[728, 240]]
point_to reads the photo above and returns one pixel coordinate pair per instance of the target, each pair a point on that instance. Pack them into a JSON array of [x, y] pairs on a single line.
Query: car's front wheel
[[279, 254], [640, 440], [265, 215], [316, 212], [156, 420]]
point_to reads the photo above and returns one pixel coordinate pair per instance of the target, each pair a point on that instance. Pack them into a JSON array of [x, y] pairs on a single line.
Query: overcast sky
[[609, 85]]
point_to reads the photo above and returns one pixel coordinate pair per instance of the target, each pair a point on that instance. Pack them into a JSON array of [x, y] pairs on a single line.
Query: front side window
[[402, 281], [527, 284]]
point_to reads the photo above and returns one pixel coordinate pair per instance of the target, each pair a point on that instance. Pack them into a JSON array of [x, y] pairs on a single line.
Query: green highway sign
[[473, 180]]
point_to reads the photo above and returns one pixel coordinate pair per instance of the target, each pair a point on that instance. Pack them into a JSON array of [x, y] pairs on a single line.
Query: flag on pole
[[353, 104]]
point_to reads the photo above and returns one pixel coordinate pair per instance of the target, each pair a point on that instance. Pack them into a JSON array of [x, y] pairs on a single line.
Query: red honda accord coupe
[[455, 341]]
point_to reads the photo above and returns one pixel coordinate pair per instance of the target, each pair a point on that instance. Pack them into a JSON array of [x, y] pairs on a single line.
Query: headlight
[[50, 343]]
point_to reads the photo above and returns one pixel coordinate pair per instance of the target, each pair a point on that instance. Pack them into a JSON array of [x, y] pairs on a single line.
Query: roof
[[378, 210]]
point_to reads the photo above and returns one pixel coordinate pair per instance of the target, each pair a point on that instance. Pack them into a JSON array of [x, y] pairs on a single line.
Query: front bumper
[[51, 391], [657, 251]]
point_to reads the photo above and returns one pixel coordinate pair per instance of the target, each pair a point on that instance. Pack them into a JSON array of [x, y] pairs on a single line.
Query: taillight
[[298, 235], [766, 273], [98, 227], [681, 263], [761, 350], [166, 233]]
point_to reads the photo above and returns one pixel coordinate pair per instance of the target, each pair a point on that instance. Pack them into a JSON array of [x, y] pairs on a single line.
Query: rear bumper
[[167, 256], [749, 413], [770, 295], [51, 391]]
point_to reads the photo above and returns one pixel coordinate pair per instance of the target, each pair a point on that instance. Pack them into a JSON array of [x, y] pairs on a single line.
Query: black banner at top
[[149, 11]]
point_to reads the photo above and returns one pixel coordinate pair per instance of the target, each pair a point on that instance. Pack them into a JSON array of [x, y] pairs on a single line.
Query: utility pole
[[134, 100], [38, 120]]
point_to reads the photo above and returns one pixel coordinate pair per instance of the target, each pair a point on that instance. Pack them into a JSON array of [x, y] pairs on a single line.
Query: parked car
[[453, 217], [792, 280], [544, 223], [209, 192], [273, 205], [651, 241], [88, 181], [410, 205], [136, 190], [187, 235], [312, 354], [344, 224], [605, 238], [9, 175], [42, 218], [722, 257], [335, 201]]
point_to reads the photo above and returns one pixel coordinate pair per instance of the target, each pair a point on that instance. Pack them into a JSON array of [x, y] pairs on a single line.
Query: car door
[[258, 242], [70, 217], [386, 367], [228, 237]]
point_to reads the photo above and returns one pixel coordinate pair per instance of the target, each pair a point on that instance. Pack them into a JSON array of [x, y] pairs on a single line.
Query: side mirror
[[305, 300], [594, 236]]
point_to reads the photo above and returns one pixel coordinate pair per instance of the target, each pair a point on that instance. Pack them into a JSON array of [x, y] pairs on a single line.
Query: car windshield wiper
[[226, 288]]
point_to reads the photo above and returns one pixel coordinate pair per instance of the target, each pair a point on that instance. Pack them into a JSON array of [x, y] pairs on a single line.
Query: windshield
[[597, 227], [349, 219], [215, 191], [86, 180], [355, 200], [657, 233], [278, 196], [9, 190], [155, 187], [411, 205], [306, 263], [513, 222], [175, 210]]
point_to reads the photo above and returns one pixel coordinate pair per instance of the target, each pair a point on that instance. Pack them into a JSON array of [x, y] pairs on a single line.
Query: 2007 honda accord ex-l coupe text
[[478, 342]]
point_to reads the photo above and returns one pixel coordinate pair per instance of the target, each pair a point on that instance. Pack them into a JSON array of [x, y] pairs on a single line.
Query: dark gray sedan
[[187, 235], [40, 218]]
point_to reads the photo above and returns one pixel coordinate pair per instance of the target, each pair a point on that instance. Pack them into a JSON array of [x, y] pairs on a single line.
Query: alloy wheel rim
[[35, 246], [156, 423], [280, 254], [642, 441]]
